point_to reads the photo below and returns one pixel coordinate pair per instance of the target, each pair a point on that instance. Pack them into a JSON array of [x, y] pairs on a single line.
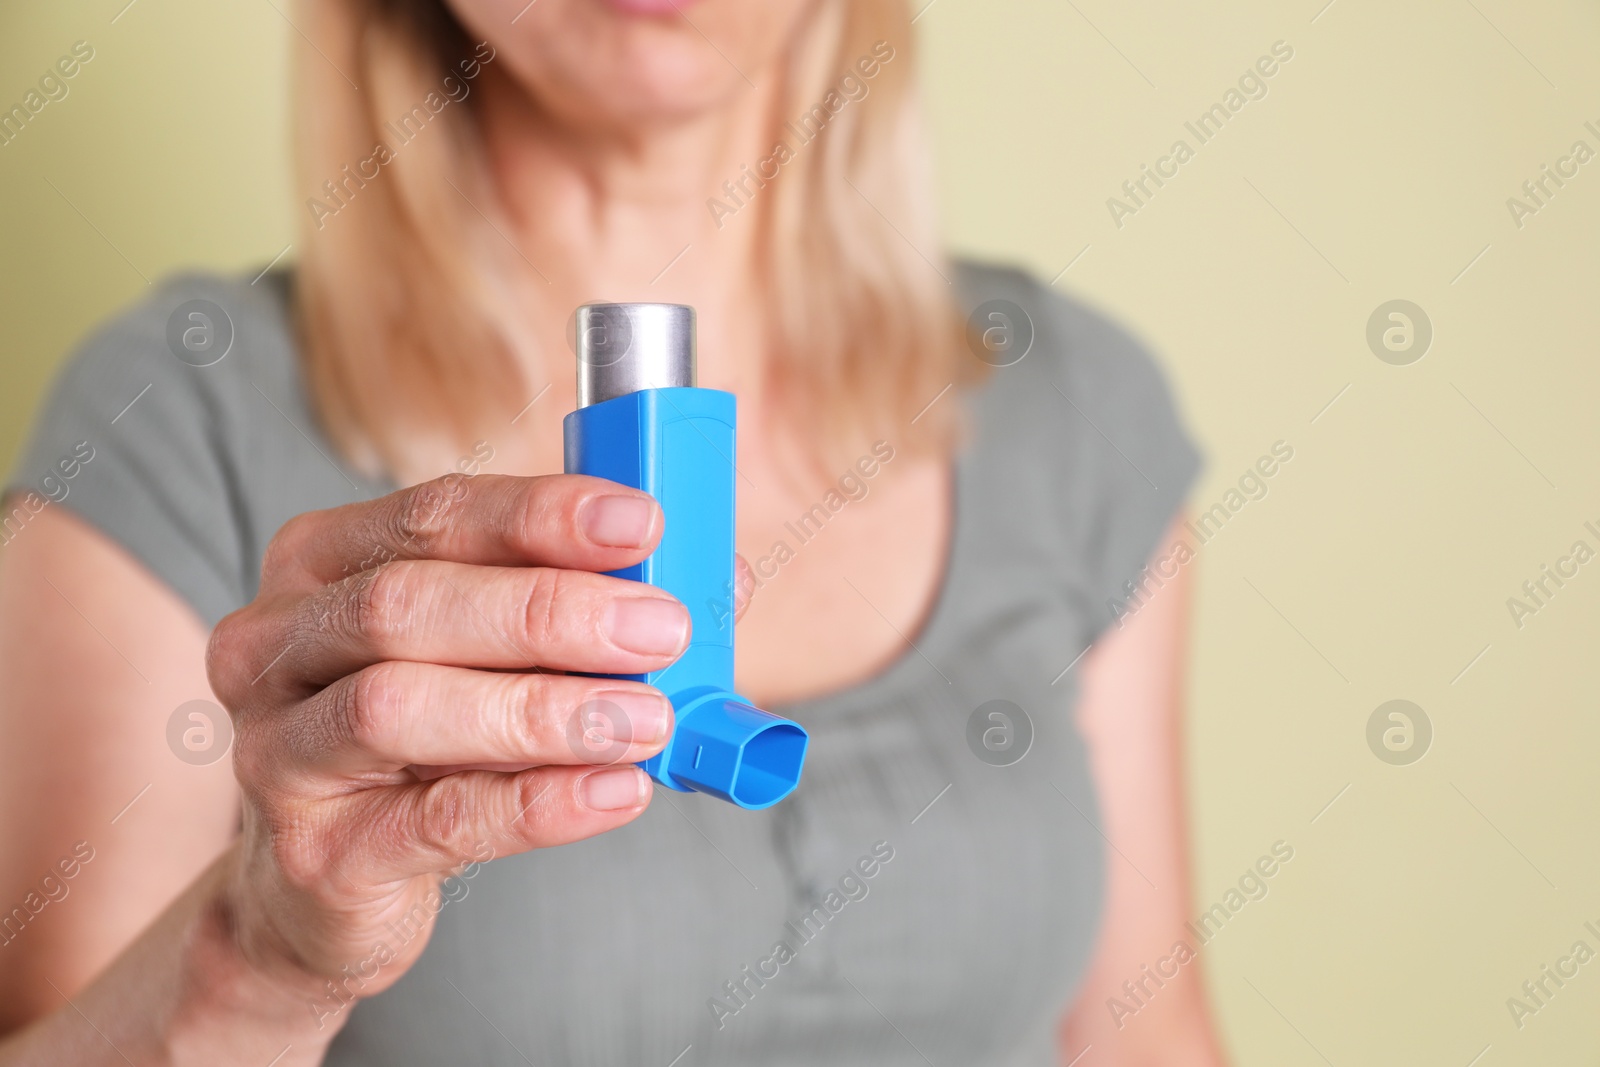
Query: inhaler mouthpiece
[[731, 750]]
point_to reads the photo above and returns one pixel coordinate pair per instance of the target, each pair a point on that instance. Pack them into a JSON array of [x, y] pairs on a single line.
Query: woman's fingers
[[560, 520], [450, 613], [398, 714], [403, 831]]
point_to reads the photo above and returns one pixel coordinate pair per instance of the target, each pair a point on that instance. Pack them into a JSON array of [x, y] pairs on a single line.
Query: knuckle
[[287, 544], [545, 505], [370, 708], [534, 795], [270, 766], [380, 600], [533, 704], [534, 718], [228, 648], [253, 762], [422, 513], [441, 815], [544, 612], [300, 861], [220, 648]]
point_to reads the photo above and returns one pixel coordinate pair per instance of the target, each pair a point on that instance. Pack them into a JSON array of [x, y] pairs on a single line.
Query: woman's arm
[[96, 655], [1131, 714], [182, 993]]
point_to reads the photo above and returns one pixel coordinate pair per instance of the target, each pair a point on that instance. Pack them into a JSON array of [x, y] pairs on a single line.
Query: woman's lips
[[648, 7]]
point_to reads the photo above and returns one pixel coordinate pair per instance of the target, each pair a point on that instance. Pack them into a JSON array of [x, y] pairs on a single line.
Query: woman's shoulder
[[1062, 370], [185, 365], [1034, 336], [237, 329], [1077, 437], [188, 434]]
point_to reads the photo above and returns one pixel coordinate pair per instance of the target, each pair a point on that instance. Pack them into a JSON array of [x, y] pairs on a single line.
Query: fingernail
[[619, 521], [644, 718], [648, 625], [613, 789]]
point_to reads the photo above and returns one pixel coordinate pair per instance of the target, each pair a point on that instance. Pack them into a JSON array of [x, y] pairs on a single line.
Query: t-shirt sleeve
[[129, 441], [1133, 464]]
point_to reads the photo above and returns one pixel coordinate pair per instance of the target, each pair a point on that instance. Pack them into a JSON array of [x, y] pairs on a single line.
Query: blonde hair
[[408, 299]]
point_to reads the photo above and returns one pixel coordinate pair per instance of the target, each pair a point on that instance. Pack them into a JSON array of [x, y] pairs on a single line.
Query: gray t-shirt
[[910, 903]]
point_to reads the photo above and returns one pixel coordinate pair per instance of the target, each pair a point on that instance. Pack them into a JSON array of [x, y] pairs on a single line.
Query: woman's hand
[[399, 710]]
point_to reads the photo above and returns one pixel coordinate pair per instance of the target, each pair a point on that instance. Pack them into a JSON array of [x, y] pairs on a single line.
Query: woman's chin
[[658, 87], [649, 8]]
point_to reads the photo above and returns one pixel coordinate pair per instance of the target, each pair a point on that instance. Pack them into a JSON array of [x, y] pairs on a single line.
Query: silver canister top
[[623, 348]]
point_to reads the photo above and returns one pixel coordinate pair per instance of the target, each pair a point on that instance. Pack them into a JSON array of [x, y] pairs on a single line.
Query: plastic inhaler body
[[643, 423]]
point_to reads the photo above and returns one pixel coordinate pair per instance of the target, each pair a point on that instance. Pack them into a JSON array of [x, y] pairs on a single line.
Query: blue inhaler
[[642, 421]]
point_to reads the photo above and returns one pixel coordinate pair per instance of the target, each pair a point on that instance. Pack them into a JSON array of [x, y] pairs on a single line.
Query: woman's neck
[[625, 216]]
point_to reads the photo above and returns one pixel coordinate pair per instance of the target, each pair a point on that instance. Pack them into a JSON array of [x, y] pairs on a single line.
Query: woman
[[233, 526]]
